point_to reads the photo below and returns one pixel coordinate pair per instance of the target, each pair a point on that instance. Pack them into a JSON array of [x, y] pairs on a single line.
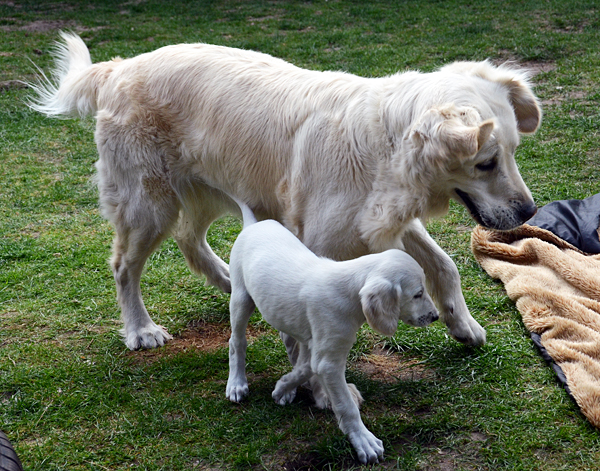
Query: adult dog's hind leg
[[140, 225], [204, 207], [443, 281], [135, 195], [131, 249], [285, 389]]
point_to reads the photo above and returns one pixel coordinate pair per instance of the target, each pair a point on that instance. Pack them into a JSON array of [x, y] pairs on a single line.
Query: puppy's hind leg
[[285, 389], [318, 391], [292, 347], [241, 307]]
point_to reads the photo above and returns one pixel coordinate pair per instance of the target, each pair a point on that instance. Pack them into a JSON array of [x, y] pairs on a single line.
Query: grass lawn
[[72, 397]]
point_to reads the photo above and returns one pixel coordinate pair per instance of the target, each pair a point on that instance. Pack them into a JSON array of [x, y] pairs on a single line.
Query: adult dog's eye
[[488, 165], [419, 295]]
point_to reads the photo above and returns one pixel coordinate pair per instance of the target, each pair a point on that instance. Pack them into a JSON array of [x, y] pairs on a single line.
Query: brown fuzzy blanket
[[556, 288]]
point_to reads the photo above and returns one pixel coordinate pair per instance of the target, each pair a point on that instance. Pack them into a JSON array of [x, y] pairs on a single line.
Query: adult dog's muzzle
[[502, 218]]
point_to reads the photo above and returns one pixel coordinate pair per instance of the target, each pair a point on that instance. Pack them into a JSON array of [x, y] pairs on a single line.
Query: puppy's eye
[[488, 165], [419, 295]]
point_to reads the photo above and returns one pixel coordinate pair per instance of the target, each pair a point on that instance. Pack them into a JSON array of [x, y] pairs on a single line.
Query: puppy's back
[[266, 241], [267, 258]]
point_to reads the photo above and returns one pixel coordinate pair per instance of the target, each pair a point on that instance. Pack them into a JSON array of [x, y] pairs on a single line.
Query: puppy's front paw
[[149, 336], [236, 391], [369, 448]]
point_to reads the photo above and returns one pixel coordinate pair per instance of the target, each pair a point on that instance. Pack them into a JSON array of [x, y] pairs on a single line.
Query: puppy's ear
[[380, 304], [450, 131]]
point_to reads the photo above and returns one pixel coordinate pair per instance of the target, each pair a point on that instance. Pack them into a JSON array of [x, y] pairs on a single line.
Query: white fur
[[321, 304], [350, 165]]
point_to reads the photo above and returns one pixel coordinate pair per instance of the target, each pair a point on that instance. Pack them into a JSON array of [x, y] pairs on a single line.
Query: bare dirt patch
[[11, 85], [464, 457], [47, 26], [253, 20], [40, 26], [538, 67], [562, 96], [199, 336], [306, 461], [534, 67], [388, 367], [9, 314]]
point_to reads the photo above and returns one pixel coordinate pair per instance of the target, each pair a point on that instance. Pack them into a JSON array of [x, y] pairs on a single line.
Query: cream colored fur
[[350, 165]]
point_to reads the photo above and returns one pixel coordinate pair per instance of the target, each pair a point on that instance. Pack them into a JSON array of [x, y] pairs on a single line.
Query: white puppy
[[321, 304]]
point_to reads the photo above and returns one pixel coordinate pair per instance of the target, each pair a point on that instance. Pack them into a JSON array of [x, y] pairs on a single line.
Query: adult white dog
[[321, 304], [349, 164]]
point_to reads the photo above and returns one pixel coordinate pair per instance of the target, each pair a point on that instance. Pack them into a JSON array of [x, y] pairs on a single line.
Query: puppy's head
[[468, 143], [397, 293]]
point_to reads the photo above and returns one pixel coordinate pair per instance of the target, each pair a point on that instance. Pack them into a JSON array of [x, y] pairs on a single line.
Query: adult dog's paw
[[461, 325], [219, 277], [150, 336], [369, 448], [469, 332]]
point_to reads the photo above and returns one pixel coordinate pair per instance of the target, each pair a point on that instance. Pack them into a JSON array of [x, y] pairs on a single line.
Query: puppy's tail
[[247, 214], [73, 86]]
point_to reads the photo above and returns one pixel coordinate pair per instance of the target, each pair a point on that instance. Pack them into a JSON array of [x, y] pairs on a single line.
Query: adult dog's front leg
[[443, 282]]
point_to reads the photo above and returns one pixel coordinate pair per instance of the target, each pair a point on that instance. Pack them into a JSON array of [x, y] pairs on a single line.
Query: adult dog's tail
[[73, 86]]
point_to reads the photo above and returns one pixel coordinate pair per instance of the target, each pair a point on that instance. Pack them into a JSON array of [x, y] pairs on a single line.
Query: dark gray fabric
[[575, 221], [537, 340]]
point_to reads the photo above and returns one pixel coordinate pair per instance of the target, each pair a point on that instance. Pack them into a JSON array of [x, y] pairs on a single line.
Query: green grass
[[73, 397]]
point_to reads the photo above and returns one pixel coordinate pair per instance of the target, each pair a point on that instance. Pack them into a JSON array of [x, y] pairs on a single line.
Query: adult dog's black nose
[[527, 211], [434, 315]]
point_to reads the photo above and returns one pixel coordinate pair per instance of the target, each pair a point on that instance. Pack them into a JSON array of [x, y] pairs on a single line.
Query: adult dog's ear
[[527, 111], [451, 131], [522, 99], [380, 304]]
